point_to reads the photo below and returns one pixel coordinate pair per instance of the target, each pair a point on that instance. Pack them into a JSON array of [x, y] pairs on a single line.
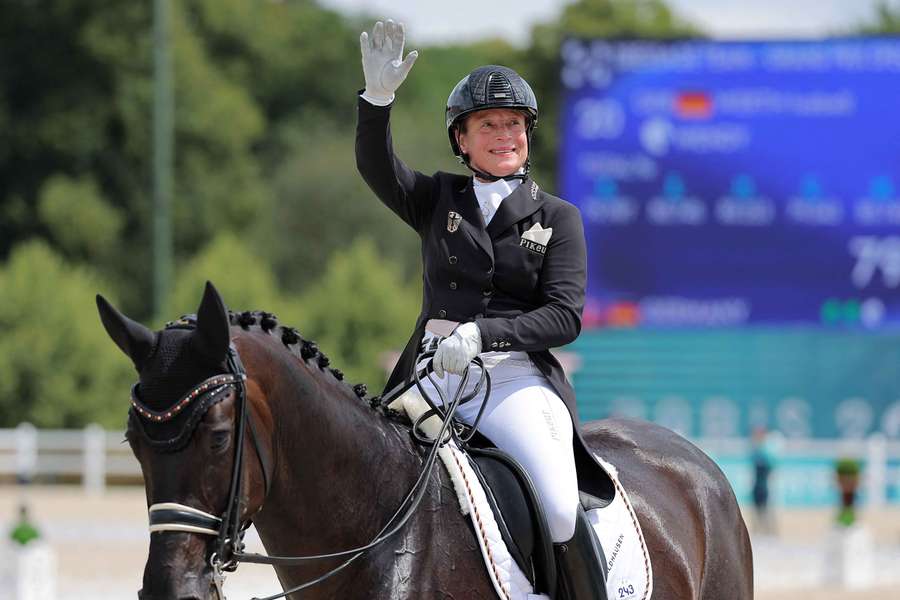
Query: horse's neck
[[341, 472], [343, 468]]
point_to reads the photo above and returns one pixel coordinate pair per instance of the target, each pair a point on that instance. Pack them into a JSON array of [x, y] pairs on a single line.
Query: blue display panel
[[727, 183]]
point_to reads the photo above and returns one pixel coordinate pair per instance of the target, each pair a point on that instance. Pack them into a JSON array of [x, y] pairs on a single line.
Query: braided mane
[[305, 350]]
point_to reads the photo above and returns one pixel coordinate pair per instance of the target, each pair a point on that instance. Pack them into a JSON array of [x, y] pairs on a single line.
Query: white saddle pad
[[628, 562], [630, 574]]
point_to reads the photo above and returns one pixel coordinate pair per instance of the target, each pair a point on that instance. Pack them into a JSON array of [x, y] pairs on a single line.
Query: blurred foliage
[[847, 467], [268, 204], [886, 21], [78, 219], [360, 309], [58, 368], [244, 280]]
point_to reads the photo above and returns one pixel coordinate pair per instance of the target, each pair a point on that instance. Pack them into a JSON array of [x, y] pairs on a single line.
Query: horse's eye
[[220, 440]]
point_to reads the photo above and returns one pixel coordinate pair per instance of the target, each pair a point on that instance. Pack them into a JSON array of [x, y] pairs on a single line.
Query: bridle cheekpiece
[[228, 529]]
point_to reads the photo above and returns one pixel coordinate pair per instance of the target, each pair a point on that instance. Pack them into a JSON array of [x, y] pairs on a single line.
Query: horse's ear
[[134, 339], [212, 332]]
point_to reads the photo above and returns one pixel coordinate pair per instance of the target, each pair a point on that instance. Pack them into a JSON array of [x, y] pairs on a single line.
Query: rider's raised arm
[[403, 190]]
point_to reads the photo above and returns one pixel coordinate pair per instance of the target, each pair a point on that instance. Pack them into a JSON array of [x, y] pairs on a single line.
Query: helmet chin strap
[[523, 174]]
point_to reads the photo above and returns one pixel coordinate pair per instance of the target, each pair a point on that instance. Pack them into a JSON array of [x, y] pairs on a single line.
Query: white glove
[[382, 65], [456, 352]]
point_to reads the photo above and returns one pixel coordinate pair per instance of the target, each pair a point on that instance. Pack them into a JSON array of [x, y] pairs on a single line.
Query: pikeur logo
[[536, 239], [533, 246]]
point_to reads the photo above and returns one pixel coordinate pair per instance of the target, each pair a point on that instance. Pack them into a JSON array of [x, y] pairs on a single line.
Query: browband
[[161, 416]]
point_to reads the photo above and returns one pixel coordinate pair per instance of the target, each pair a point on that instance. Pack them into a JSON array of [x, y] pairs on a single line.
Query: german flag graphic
[[693, 105]]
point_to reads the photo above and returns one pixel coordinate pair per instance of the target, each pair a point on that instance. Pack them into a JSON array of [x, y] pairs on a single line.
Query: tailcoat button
[[442, 313], [453, 260], [490, 270], [453, 285]]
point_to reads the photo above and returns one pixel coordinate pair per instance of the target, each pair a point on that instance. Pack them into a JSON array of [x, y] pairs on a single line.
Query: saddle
[[520, 515], [507, 491]]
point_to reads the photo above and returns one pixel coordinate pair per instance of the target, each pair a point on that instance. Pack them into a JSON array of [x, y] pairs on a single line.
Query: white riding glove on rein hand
[[383, 66], [456, 352]]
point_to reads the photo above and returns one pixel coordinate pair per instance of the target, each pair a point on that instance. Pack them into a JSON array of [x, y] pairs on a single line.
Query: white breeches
[[526, 418]]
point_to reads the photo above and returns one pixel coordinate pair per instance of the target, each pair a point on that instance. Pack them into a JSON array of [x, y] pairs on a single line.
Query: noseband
[[172, 516]]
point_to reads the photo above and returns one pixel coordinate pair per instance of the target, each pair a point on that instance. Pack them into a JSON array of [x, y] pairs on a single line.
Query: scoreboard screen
[[728, 184]]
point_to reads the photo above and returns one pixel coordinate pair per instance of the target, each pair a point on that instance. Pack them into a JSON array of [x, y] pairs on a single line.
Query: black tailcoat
[[522, 296]]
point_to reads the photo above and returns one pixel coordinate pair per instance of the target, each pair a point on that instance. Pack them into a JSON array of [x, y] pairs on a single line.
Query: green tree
[[58, 367], [243, 279], [360, 312], [886, 21], [79, 220], [76, 83]]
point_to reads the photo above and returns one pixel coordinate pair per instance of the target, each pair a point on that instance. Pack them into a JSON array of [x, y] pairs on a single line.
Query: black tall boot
[[581, 564]]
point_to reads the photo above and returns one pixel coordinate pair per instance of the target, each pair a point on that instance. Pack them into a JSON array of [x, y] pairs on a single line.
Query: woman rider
[[504, 276]]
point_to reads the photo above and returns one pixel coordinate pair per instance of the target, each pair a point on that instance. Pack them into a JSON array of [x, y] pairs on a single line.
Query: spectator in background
[[24, 531], [763, 457]]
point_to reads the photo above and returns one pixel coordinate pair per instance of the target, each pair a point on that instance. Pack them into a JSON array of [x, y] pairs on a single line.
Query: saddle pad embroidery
[[627, 558]]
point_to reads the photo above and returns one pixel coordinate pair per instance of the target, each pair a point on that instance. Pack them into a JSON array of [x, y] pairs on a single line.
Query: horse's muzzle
[[213, 595], [203, 589]]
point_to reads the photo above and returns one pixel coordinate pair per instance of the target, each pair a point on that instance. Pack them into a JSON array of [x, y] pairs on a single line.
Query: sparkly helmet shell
[[490, 86]]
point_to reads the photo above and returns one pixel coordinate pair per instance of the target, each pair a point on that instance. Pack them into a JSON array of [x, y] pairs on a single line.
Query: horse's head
[[184, 427]]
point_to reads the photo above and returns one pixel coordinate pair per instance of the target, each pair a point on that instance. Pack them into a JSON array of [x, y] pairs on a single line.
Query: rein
[[228, 528]]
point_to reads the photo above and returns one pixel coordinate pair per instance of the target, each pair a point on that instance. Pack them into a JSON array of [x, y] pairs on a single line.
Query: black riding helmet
[[490, 86]]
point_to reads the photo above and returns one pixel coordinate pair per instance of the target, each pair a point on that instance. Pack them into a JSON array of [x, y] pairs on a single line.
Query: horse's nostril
[[142, 596]]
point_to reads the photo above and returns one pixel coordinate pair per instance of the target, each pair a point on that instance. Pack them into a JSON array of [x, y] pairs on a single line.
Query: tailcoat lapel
[[473, 222], [524, 201]]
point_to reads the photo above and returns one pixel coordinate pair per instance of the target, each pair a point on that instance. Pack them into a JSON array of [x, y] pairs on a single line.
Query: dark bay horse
[[322, 471]]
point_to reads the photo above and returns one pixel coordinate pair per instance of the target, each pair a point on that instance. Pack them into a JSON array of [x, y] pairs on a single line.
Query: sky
[[438, 21]]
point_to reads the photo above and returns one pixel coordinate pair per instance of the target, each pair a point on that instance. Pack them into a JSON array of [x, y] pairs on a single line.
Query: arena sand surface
[[101, 545]]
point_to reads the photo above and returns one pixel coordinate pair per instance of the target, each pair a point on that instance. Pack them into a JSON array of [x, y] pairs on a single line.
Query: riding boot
[[581, 563]]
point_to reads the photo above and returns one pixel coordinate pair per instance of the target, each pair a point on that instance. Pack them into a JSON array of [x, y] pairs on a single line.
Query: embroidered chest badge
[[453, 221], [536, 239]]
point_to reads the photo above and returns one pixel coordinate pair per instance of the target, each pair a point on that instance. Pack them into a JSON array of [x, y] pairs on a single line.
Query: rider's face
[[496, 140]]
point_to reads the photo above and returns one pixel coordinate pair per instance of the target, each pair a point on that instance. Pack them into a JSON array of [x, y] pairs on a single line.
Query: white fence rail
[[91, 455], [95, 456]]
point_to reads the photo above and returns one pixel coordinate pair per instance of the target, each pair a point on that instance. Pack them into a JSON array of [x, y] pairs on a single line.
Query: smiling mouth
[[503, 152]]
